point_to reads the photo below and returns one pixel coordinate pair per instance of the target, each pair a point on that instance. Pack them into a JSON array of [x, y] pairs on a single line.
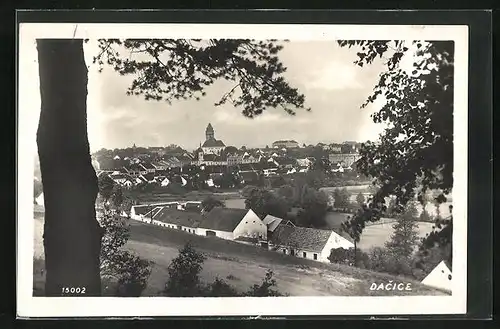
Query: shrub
[[346, 257], [184, 280], [382, 260], [133, 275], [265, 288], [220, 288]]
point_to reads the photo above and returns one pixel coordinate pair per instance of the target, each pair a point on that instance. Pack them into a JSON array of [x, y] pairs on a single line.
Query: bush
[[346, 257], [265, 288], [381, 260], [184, 280], [220, 288], [133, 275], [184, 271]]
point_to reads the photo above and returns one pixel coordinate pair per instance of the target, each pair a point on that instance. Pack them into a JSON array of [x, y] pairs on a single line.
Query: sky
[[334, 88]]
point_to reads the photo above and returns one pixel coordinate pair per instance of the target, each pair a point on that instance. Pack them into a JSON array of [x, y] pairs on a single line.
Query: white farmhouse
[[440, 277], [307, 242], [232, 224]]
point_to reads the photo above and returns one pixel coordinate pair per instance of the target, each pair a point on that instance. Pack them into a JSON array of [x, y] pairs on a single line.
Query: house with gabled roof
[[440, 277], [230, 224], [305, 242], [148, 167], [122, 179]]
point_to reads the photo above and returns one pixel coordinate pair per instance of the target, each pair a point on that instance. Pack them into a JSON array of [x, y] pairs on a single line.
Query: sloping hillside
[[243, 265]]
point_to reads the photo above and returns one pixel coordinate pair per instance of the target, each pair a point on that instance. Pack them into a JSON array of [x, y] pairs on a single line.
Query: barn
[[307, 242], [231, 224]]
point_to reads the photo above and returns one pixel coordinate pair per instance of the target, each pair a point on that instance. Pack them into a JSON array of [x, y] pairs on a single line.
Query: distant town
[[165, 165]]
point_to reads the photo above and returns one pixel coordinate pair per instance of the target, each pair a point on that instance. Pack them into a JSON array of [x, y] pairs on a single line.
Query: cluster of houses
[[243, 226], [214, 157], [273, 233]]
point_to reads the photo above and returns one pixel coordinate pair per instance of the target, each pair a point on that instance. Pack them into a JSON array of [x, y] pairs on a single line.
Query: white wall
[[335, 241], [251, 226], [219, 234], [438, 278], [299, 253]]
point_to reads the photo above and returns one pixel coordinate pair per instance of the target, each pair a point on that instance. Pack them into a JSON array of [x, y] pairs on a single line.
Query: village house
[[231, 224], [148, 167], [307, 242], [440, 277], [344, 159], [122, 179]]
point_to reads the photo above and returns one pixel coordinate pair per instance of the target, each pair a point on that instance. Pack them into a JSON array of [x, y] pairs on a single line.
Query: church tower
[[209, 132]]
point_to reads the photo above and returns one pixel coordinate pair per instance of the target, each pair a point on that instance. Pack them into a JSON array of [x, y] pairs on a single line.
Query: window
[[304, 254], [315, 256]]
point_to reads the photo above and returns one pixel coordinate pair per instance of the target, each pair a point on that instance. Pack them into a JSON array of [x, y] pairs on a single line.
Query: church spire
[[209, 132]]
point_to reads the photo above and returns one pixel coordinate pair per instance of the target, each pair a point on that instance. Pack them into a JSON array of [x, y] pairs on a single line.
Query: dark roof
[[249, 176], [178, 217], [135, 167], [149, 176], [223, 219], [212, 142], [304, 238], [148, 165], [141, 210]]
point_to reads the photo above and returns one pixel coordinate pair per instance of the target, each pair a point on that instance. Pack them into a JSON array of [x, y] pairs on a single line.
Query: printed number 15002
[[73, 290]]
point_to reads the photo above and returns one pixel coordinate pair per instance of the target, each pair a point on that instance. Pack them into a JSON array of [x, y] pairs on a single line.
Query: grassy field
[[378, 233], [244, 265]]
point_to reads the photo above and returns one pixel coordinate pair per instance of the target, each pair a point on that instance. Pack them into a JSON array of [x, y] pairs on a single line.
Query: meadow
[[242, 265]]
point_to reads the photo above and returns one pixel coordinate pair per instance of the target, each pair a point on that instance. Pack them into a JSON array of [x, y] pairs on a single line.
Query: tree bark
[[72, 235]]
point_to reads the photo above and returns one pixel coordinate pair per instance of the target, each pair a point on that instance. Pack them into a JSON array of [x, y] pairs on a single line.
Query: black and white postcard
[[241, 170]]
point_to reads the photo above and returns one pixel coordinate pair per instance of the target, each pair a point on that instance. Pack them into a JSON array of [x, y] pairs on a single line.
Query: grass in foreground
[[242, 264]]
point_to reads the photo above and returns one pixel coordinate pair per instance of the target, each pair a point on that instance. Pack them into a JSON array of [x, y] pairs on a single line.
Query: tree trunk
[[355, 253], [72, 235]]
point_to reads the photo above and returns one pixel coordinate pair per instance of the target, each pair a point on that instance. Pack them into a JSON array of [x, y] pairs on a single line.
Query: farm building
[[139, 212], [177, 219], [307, 242], [271, 222], [231, 224], [440, 277]]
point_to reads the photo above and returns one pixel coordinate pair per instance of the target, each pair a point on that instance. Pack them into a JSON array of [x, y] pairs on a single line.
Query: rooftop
[[212, 142], [178, 217], [223, 219], [304, 238]]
